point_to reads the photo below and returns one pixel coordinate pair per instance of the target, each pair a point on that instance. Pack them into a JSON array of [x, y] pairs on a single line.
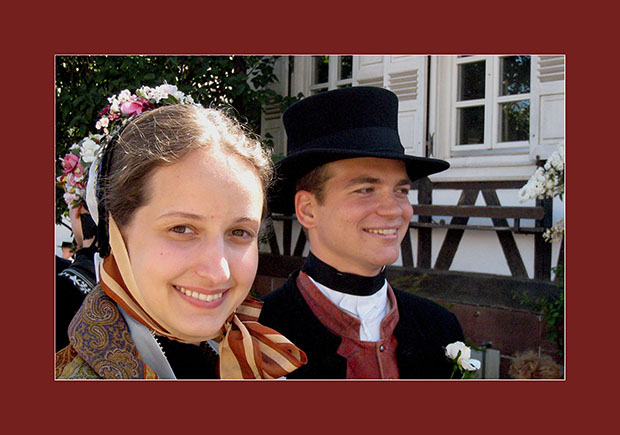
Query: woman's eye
[[239, 232], [403, 190], [181, 229]]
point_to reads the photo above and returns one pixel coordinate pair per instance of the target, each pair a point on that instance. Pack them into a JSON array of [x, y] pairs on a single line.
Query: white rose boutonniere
[[460, 355]]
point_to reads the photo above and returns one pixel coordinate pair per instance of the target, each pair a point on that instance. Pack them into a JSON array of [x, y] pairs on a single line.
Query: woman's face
[[193, 246]]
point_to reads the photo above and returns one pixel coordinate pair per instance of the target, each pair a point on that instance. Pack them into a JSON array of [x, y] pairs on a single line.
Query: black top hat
[[341, 124]]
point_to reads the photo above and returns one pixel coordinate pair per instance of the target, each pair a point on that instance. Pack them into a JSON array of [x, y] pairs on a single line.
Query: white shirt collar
[[370, 310]]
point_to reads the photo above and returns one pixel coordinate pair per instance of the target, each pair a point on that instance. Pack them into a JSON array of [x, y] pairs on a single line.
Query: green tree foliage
[[83, 84]]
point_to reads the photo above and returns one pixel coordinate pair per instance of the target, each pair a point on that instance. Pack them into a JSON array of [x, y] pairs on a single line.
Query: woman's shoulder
[[101, 342]]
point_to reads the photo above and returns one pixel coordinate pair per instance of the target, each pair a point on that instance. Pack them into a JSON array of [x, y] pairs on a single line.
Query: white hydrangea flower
[[547, 181], [555, 161], [555, 233]]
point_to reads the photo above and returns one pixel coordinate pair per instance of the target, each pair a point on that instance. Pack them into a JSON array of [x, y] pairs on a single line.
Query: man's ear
[[305, 204]]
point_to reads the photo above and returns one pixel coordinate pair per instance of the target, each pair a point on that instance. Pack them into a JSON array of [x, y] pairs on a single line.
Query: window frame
[[491, 102], [333, 81]]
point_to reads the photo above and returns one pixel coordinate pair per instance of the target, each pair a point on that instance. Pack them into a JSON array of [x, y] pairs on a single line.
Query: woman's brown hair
[[165, 135]]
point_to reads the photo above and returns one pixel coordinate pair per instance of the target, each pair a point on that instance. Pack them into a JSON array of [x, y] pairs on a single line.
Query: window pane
[[321, 69], [515, 73], [515, 121], [471, 81], [346, 67], [471, 125]]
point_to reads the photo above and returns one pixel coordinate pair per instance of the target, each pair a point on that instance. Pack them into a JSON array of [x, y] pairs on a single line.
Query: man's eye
[[365, 190]]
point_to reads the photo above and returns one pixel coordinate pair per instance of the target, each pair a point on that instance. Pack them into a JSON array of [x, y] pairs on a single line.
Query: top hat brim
[[290, 169]]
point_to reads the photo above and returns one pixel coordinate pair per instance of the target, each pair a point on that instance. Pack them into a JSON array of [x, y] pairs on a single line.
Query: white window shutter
[[405, 76], [547, 105]]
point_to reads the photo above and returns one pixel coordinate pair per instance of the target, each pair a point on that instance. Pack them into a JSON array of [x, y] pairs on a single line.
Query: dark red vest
[[365, 359]]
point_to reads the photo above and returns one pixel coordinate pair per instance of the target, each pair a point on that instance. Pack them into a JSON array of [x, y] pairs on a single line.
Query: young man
[[346, 177]]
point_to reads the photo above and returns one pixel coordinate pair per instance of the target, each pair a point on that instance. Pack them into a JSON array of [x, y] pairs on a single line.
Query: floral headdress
[[113, 117]]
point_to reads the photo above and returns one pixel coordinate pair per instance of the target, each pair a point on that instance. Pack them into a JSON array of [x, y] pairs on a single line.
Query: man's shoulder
[[420, 306], [416, 302], [285, 291], [425, 314]]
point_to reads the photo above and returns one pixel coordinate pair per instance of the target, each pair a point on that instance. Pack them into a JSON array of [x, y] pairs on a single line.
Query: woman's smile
[[200, 298]]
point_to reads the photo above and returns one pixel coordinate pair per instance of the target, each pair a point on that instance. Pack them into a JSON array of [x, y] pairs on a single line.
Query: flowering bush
[[548, 182], [121, 108], [460, 354]]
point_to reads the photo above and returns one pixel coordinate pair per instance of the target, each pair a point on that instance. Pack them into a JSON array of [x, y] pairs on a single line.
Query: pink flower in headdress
[[76, 177], [136, 107], [69, 163]]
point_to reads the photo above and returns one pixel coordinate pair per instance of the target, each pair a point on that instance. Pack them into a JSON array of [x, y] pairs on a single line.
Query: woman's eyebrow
[[180, 214], [249, 220]]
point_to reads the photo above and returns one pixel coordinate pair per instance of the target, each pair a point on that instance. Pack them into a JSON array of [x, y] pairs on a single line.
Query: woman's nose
[[212, 264]]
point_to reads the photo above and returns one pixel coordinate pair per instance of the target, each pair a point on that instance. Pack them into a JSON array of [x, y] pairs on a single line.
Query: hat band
[[370, 139]]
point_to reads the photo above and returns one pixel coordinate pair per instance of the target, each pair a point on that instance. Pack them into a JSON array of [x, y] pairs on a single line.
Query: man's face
[[364, 215]]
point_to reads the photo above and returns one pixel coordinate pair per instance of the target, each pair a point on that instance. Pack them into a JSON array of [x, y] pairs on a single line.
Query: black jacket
[[72, 285], [423, 331]]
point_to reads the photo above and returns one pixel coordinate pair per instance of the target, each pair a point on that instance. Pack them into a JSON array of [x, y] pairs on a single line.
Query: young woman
[[180, 198]]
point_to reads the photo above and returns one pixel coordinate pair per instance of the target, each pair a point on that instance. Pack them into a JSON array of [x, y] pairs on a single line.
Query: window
[[331, 72], [491, 104]]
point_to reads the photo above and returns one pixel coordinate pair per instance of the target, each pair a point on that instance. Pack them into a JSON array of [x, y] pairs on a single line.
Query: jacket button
[[381, 348]]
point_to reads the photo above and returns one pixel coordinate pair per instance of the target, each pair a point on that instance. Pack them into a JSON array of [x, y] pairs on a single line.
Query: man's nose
[[390, 205]]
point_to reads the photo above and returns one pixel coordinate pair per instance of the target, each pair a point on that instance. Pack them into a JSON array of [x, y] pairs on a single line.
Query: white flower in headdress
[[89, 150], [102, 123], [124, 96], [162, 92]]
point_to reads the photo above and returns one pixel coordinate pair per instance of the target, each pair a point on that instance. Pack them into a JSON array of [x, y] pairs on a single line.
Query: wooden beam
[[506, 239], [453, 236], [498, 212]]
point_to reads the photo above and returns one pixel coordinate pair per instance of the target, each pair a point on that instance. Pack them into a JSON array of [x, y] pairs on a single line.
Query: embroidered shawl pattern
[[101, 346]]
